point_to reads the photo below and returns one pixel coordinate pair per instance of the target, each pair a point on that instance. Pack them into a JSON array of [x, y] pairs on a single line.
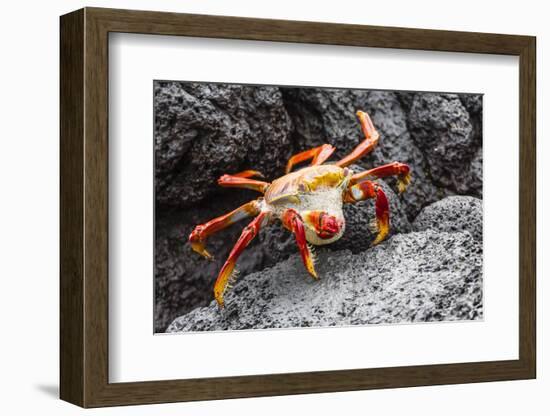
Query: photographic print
[[294, 207]]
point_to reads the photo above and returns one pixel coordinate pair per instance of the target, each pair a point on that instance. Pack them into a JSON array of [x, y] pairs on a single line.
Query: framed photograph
[[255, 207]]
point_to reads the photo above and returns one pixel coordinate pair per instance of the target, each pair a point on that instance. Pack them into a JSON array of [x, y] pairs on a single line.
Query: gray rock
[[474, 105], [406, 99], [325, 115], [453, 214], [416, 277], [470, 179], [205, 130], [476, 174], [472, 102], [441, 127], [396, 144]]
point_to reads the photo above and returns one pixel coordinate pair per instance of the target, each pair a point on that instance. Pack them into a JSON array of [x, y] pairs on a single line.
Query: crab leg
[[367, 190], [248, 174], [366, 146], [227, 272], [293, 222], [198, 236], [402, 171], [241, 180], [318, 154]]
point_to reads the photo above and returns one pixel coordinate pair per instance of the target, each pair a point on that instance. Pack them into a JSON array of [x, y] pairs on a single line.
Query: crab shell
[[313, 188]]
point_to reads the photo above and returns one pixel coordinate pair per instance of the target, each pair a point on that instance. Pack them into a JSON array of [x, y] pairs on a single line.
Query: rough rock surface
[[205, 130], [442, 128], [452, 214], [416, 277]]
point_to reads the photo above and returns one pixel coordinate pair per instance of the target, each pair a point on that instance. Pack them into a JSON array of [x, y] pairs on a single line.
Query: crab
[[308, 202]]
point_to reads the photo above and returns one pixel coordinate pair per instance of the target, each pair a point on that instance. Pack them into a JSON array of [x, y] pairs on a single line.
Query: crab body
[[316, 194], [308, 202]]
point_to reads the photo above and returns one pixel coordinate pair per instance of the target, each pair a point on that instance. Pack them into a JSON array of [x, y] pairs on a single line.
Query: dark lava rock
[[476, 174], [441, 127], [205, 130], [406, 99], [472, 102], [325, 115], [416, 277], [396, 144], [452, 214]]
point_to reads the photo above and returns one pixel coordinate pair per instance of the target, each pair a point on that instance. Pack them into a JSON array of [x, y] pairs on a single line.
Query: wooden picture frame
[[84, 207]]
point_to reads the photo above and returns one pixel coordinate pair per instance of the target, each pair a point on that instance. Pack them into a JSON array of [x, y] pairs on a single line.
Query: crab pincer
[[293, 222], [228, 273]]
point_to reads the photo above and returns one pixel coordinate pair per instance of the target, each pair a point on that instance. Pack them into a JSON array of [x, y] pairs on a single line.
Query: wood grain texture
[[71, 100], [527, 208], [84, 207], [226, 27], [96, 214]]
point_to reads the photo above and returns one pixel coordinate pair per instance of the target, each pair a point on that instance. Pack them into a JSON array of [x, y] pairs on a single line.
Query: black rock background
[[205, 130]]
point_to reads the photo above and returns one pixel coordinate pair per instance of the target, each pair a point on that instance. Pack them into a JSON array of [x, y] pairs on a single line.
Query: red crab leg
[[198, 236], [226, 275], [318, 154], [366, 146], [234, 181], [366, 190], [293, 222], [402, 171]]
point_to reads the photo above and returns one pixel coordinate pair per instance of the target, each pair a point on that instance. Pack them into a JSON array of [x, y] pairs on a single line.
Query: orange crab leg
[[248, 174], [234, 181], [366, 146], [198, 236], [402, 171], [227, 272], [318, 154], [293, 222], [366, 190]]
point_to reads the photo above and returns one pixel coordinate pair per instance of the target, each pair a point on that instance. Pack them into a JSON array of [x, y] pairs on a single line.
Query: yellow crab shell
[[314, 188], [305, 181]]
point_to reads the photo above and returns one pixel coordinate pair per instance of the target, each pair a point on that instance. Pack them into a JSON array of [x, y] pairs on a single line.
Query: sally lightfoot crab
[[308, 202]]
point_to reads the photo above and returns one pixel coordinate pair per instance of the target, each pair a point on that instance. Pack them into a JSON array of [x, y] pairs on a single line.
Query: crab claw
[[401, 170], [403, 177], [228, 273], [197, 243], [293, 221], [326, 226], [382, 216], [226, 278]]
